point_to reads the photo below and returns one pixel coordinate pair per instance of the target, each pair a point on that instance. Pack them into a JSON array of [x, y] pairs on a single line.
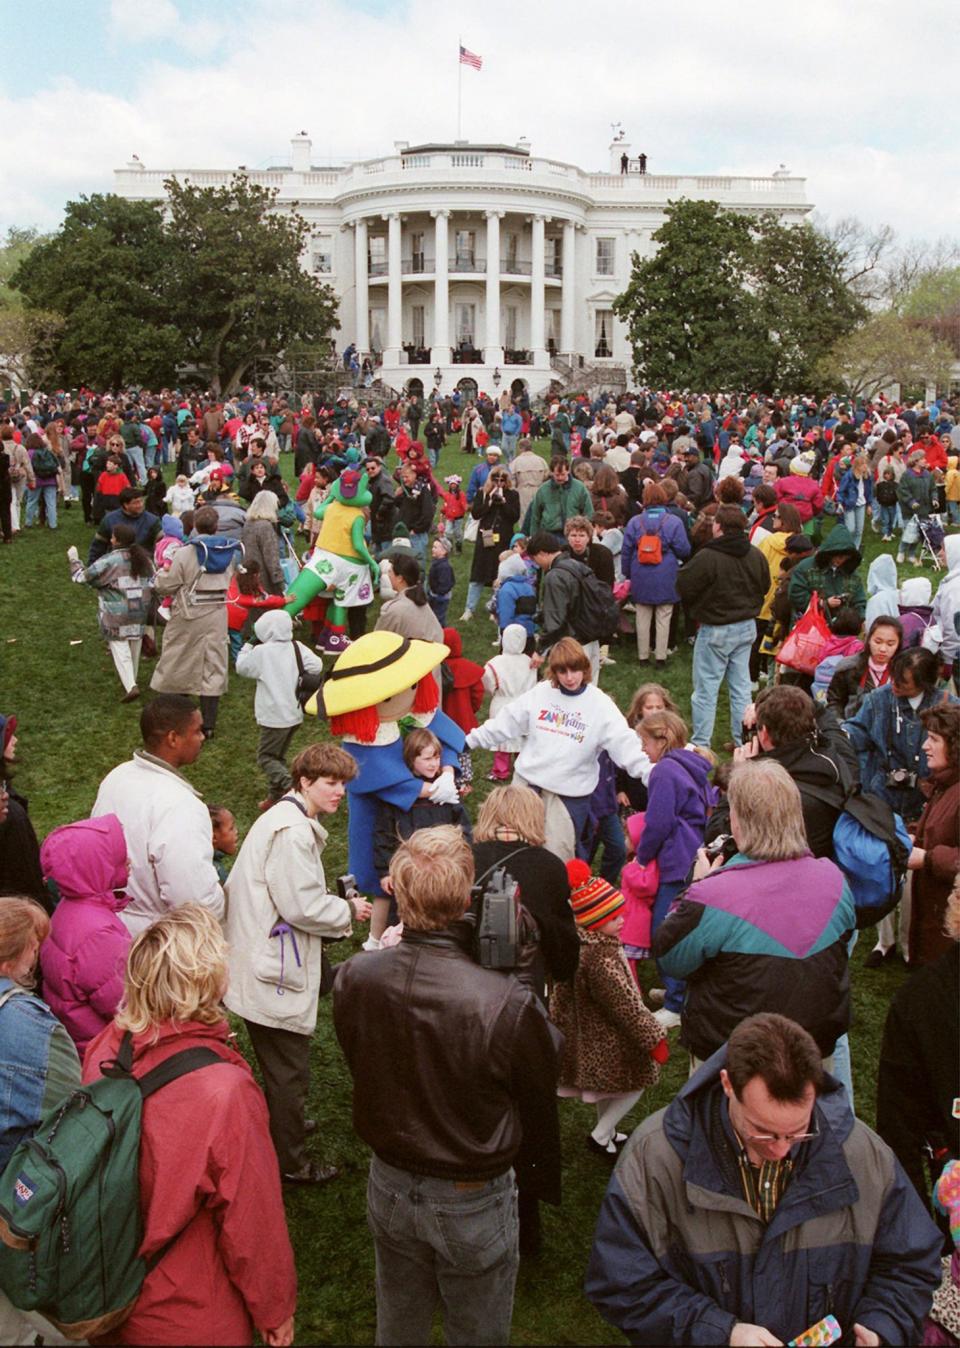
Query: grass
[[57, 675]]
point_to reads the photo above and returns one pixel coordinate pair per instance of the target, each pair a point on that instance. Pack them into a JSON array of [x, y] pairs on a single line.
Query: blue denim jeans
[[854, 520], [418, 545], [718, 653], [33, 505], [135, 454], [888, 520], [508, 443], [953, 512], [674, 987], [439, 1241], [609, 836], [475, 591]]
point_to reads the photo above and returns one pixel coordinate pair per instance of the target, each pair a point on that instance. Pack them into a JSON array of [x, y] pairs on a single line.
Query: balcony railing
[[468, 262], [512, 267], [517, 356], [416, 266], [417, 355], [378, 268]]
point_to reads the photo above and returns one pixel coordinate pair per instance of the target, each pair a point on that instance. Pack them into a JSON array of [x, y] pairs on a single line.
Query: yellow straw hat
[[377, 666]]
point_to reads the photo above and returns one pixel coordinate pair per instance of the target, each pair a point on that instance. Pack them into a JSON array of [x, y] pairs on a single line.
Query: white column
[[537, 293], [394, 291], [440, 352], [569, 287], [361, 289], [493, 350]]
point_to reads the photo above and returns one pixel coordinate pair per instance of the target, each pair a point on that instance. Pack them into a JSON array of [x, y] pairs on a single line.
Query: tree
[[105, 271], [238, 290], [887, 349], [734, 301]]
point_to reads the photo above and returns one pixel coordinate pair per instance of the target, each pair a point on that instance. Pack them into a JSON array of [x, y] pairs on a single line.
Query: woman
[[563, 722], [916, 495], [935, 858], [124, 578], [194, 655], [784, 524], [40, 1063], [578, 531], [496, 508], [256, 480], [653, 575], [858, 675], [408, 612], [245, 433], [469, 427], [278, 911], [209, 1188], [45, 469], [679, 799], [855, 495], [261, 538], [607, 494], [767, 930]]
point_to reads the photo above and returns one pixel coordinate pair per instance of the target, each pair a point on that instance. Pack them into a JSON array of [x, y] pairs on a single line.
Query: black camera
[[723, 845], [494, 914], [901, 779], [347, 887]]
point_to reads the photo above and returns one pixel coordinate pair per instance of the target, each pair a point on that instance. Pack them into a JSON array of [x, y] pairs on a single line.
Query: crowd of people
[[626, 886]]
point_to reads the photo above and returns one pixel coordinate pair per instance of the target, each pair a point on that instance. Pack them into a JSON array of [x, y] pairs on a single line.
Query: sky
[[846, 93]]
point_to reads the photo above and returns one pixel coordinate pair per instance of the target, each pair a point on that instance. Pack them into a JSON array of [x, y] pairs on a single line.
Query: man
[[451, 1065], [511, 424], [699, 480], [415, 510], [383, 507], [755, 1204], [165, 821], [193, 450], [492, 457], [530, 471], [723, 587], [815, 752], [832, 572], [560, 497], [146, 526], [560, 585]]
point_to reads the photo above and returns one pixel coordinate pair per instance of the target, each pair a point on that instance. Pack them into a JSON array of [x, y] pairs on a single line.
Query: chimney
[[300, 148]]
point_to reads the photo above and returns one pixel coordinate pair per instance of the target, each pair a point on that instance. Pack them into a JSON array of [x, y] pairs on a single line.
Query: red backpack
[[649, 549]]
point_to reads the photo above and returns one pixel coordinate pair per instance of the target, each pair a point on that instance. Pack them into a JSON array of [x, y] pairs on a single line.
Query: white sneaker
[[467, 615], [667, 1020], [899, 559]]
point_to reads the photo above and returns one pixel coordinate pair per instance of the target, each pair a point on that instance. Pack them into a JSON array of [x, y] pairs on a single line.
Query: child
[[454, 509], [516, 598], [110, 484], [462, 683], [245, 594], [632, 791], [505, 678], [180, 496], [226, 838], [951, 483], [886, 496], [155, 492], [844, 642], [613, 1046], [421, 753], [123, 578], [169, 543], [639, 885], [440, 578], [274, 665]]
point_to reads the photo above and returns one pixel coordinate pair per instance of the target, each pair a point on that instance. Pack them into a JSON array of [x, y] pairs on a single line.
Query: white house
[[480, 264]]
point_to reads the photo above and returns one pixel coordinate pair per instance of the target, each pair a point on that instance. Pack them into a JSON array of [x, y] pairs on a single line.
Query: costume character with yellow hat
[[380, 688], [341, 561]]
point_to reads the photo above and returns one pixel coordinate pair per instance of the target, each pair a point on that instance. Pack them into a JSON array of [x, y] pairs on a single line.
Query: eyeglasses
[[792, 1138]]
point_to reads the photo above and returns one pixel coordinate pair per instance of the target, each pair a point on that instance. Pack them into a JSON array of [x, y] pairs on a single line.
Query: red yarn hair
[[428, 695], [362, 725]]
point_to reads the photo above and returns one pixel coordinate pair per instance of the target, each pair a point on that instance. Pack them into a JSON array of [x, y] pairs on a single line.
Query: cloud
[[700, 88]]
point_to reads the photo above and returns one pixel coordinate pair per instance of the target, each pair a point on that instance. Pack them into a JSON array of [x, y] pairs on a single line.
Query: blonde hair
[[512, 808], [665, 726], [20, 919], [567, 653], [766, 801], [951, 922], [176, 970], [432, 874], [635, 712], [264, 506]]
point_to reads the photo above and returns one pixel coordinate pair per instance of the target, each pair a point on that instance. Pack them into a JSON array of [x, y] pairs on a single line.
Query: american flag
[[469, 58]]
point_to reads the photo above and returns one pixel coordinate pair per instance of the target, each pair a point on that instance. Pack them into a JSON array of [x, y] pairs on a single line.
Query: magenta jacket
[[84, 956]]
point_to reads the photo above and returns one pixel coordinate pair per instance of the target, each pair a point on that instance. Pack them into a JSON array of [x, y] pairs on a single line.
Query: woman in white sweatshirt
[[562, 724]]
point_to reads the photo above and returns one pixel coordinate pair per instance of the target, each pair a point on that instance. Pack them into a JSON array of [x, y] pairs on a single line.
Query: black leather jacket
[[450, 1062]]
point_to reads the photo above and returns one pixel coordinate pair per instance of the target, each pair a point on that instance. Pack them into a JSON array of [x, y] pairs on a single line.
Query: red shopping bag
[[803, 648]]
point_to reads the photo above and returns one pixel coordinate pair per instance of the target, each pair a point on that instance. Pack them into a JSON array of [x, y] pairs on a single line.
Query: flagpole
[[459, 88]]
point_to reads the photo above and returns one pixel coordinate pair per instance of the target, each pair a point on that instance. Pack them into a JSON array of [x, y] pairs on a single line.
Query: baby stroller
[[932, 534]]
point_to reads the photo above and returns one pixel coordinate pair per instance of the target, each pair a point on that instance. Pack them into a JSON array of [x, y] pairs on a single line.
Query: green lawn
[[73, 730]]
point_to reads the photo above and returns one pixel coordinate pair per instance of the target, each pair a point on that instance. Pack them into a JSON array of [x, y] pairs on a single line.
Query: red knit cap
[[592, 899]]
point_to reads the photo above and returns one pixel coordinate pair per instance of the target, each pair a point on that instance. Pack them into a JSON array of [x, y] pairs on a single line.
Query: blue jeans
[[888, 520], [418, 545], [135, 454], [439, 1241], [953, 512], [33, 505], [475, 591], [578, 808], [439, 603], [508, 443], [854, 520], [673, 987], [717, 653], [609, 836]]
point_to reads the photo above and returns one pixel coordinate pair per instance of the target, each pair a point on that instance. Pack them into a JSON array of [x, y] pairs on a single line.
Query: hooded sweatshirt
[[84, 956], [818, 573], [274, 666], [882, 589], [679, 800], [725, 582], [462, 683], [946, 605], [509, 675]]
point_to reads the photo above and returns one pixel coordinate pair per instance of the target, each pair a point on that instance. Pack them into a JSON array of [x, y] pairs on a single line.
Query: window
[[416, 313], [465, 243], [551, 256], [605, 257], [377, 254], [510, 257], [465, 315], [378, 322], [551, 328], [416, 252], [510, 327], [604, 333], [322, 262]]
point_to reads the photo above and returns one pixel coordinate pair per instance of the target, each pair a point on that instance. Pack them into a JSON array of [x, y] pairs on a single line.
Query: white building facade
[[482, 265]]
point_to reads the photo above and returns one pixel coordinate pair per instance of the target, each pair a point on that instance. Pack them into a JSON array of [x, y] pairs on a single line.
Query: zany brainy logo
[[22, 1190]]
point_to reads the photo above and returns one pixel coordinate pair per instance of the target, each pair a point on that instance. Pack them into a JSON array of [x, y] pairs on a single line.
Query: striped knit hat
[[592, 899]]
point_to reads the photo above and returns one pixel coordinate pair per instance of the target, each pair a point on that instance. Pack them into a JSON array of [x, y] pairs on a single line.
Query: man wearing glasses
[[756, 1204]]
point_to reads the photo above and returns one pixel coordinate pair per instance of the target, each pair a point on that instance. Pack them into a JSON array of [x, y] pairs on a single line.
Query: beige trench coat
[[194, 655]]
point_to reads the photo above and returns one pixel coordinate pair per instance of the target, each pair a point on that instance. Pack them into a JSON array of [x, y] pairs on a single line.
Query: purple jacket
[[83, 958], [654, 584], [679, 800]]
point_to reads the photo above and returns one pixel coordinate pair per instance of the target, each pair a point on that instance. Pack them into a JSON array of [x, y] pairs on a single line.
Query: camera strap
[[502, 862]]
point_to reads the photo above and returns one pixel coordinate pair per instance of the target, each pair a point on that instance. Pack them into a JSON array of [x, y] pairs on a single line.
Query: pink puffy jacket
[[83, 958]]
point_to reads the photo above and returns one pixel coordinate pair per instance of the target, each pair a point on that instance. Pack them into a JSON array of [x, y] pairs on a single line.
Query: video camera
[[503, 932]]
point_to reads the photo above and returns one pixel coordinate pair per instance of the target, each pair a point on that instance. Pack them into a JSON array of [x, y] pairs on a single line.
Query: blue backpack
[[871, 846]]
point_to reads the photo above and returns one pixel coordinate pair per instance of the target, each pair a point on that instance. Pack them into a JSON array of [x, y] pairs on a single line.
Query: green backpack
[[70, 1223]]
